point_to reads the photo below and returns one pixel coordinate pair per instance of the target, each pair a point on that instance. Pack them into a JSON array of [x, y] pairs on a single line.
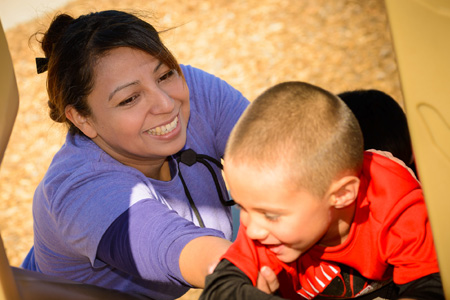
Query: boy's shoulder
[[382, 164], [387, 185]]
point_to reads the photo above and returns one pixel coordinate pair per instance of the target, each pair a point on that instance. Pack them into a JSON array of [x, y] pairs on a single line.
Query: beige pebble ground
[[252, 44]]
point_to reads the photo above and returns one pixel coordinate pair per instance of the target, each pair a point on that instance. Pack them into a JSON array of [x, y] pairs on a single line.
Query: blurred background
[[339, 45]]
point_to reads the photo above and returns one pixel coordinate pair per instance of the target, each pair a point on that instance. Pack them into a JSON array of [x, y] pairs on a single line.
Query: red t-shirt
[[390, 238]]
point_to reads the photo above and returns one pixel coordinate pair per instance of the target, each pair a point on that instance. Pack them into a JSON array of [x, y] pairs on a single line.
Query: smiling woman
[[132, 122], [113, 209]]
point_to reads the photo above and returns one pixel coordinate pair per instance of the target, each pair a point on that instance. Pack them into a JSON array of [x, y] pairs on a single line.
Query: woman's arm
[[197, 260], [150, 241], [131, 247], [199, 256]]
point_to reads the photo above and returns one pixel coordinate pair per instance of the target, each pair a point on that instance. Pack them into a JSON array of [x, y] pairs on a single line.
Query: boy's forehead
[[254, 173], [247, 165], [260, 190]]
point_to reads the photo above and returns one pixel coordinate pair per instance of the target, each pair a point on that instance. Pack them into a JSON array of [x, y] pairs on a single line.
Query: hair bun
[[55, 32]]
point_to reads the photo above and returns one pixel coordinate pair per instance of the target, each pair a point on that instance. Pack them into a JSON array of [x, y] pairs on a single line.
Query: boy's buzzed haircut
[[302, 128]]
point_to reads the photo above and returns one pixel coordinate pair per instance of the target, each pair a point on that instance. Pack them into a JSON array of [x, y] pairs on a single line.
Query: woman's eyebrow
[[121, 87], [160, 63]]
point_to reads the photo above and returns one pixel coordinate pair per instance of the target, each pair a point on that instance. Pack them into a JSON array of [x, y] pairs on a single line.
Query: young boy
[[331, 220]]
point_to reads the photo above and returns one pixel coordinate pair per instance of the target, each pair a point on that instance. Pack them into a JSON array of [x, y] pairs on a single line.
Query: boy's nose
[[256, 232]]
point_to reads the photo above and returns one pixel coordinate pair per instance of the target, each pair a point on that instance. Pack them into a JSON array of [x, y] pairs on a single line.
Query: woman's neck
[[164, 172], [159, 171]]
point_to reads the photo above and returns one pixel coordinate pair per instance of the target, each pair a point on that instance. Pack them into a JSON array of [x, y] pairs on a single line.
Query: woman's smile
[[164, 129]]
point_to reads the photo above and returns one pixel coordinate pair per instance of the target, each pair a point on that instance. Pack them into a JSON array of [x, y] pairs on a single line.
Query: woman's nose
[[161, 102]]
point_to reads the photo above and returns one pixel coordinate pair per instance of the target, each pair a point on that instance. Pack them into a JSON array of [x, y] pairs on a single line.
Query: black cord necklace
[[189, 157]]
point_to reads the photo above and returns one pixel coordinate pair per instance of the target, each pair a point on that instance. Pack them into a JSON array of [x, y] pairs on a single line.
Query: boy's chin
[[289, 256]]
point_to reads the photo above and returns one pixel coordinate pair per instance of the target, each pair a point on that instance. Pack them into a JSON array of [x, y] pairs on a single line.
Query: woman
[[123, 205]]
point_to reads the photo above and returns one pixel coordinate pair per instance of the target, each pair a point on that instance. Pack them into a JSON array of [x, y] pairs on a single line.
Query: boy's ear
[[344, 191], [80, 121]]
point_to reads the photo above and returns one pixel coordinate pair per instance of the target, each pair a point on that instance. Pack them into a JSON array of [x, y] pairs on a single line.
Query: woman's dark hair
[[73, 46], [382, 121]]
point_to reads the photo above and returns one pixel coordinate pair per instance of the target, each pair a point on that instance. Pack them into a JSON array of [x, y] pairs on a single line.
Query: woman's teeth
[[161, 130]]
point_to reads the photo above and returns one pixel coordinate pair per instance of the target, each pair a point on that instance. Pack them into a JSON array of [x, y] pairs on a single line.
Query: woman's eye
[[167, 75], [128, 101]]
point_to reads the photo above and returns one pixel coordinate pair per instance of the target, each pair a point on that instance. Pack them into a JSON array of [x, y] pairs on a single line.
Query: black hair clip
[[41, 64]]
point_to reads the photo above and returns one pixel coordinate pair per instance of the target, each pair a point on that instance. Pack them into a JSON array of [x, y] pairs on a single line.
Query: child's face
[[287, 221]]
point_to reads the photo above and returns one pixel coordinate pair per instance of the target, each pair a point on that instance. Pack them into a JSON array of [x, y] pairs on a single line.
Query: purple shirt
[[85, 190]]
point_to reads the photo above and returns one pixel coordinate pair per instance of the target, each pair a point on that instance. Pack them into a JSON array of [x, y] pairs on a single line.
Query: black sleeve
[[229, 282], [425, 288]]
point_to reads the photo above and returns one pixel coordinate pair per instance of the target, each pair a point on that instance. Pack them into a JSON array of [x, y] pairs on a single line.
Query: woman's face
[[140, 108]]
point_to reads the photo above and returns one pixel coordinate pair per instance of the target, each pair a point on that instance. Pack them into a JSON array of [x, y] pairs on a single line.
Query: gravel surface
[[339, 45]]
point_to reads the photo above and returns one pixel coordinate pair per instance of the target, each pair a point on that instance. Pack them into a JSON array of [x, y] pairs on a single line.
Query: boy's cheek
[[244, 218]]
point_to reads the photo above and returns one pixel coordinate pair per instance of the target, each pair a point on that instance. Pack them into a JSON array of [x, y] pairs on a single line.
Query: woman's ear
[[344, 191], [80, 121]]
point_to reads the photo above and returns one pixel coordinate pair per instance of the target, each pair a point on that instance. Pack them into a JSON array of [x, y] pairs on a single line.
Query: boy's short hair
[[302, 128]]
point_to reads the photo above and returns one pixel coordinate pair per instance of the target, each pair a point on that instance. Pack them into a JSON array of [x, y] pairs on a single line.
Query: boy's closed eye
[[271, 217]]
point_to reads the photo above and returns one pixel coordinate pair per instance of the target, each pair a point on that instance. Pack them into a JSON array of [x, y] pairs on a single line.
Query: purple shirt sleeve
[[131, 244]]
